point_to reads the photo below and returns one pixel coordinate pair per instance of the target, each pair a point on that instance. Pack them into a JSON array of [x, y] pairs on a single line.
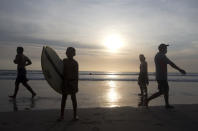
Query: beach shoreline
[[183, 117]]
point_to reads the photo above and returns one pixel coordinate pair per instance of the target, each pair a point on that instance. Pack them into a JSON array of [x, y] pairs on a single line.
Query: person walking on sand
[[22, 61], [70, 84], [143, 77], [161, 62]]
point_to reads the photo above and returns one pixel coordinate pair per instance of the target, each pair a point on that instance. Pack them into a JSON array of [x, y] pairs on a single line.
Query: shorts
[[70, 87], [163, 85], [21, 76]]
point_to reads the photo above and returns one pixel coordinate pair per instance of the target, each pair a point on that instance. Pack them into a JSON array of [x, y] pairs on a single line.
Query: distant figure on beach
[[22, 61], [161, 62], [143, 78], [143, 75], [70, 85]]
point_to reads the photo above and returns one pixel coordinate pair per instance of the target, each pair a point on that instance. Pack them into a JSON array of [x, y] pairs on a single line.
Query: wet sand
[[182, 118]]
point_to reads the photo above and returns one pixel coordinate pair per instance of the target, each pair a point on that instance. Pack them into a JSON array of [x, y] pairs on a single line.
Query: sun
[[113, 42]]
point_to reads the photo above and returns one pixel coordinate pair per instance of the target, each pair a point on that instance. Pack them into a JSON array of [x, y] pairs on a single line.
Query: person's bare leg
[[145, 95], [155, 95], [141, 101], [166, 98], [63, 103], [29, 89], [15, 90], [141, 91], [74, 102]]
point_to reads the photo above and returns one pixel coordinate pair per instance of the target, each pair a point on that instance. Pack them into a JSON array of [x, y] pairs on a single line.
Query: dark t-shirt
[[161, 62], [70, 75]]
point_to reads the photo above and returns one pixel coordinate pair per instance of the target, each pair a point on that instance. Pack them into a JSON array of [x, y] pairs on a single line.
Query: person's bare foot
[[33, 95], [146, 103]]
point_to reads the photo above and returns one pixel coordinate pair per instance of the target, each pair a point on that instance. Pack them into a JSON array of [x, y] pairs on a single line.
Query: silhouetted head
[[163, 48], [19, 50], [142, 58], [70, 52]]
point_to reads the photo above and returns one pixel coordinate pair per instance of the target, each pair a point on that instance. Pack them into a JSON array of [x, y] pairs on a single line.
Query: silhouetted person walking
[[161, 62], [143, 79], [22, 61], [70, 85], [143, 75]]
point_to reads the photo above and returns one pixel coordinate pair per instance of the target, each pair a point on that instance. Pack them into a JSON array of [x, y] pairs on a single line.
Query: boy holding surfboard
[[70, 82]]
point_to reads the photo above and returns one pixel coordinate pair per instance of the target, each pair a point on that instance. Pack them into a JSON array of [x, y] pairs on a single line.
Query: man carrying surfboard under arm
[[70, 82], [22, 61]]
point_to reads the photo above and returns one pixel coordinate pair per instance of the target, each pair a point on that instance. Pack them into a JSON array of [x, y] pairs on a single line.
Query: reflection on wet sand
[[16, 104]]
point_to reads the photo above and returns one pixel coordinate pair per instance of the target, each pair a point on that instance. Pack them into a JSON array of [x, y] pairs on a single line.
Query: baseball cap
[[162, 46]]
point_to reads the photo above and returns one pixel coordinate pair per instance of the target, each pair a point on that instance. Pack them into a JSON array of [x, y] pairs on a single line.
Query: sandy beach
[[182, 118], [103, 106], [114, 58]]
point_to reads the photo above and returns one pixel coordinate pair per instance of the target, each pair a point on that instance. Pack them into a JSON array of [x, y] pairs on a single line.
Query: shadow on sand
[[183, 117]]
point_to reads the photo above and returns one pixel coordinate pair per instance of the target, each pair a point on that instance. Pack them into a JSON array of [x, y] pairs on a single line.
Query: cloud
[[85, 23]]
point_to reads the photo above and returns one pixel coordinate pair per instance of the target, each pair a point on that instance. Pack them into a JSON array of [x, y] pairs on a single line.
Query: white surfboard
[[52, 67]]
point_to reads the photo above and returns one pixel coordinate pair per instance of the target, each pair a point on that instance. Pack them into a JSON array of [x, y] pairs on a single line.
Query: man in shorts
[[161, 62], [22, 61]]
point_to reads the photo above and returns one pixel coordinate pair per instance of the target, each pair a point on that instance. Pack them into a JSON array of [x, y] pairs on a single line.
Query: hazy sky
[[88, 25]]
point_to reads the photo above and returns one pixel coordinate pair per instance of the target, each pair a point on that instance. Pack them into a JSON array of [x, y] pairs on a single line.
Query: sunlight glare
[[113, 42], [112, 84], [112, 95]]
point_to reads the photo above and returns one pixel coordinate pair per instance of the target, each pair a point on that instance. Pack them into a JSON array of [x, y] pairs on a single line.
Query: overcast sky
[[85, 24]]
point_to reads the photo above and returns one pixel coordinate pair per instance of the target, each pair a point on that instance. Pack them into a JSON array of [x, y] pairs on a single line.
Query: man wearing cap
[[161, 62]]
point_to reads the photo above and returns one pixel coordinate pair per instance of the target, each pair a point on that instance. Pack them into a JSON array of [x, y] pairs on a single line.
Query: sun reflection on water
[[112, 84], [112, 94]]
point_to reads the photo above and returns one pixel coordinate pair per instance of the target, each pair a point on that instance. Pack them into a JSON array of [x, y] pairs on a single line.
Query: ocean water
[[102, 76]]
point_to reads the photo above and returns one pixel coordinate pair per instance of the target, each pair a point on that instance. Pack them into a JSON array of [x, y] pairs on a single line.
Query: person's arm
[[28, 61], [146, 73], [64, 80], [16, 60], [143, 69], [77, 71], [175, 66]]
